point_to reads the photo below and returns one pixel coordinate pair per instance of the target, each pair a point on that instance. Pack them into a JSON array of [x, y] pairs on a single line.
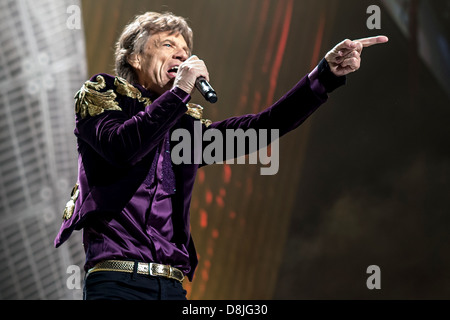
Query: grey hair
[[136, 34]]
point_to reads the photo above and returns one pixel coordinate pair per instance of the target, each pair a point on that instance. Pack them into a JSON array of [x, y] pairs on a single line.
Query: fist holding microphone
[[193, 73]]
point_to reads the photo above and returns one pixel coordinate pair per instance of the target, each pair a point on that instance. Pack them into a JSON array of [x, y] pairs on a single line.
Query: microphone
[[206, 90]]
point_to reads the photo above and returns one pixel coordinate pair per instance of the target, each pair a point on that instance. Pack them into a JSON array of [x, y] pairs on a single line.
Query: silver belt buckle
[[143, 267], [156, 269], [150, 269]]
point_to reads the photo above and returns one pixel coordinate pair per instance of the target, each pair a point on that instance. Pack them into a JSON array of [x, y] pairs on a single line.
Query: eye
[[168, 45]]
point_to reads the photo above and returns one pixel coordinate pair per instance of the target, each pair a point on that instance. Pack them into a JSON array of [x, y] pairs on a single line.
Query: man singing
[[131, 200]]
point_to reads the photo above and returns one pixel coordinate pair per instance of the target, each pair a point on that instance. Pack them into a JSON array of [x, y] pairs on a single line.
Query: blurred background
[[365, 181]]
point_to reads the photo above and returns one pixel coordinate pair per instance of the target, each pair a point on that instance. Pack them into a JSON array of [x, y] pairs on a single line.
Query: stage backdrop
[[363, 182]]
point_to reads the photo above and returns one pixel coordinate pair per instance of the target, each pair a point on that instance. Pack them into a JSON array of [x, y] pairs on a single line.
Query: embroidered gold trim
[[97, 86], [126, 89], [196, 112], [206, 122], [90, 101], [70, 205]]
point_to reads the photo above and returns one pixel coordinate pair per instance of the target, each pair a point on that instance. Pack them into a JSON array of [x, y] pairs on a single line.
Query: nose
[[181, 55]]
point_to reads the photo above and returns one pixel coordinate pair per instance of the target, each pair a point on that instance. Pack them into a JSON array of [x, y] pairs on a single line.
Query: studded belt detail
[[152, 269]]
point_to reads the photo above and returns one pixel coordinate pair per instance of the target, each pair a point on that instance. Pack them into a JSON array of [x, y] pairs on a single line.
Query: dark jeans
[[112, 285]]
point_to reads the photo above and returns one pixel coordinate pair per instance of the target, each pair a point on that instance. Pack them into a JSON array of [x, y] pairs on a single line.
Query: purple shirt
[[134, 203], [144, 231]]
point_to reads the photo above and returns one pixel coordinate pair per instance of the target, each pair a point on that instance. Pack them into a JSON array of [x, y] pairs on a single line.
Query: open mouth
[[173, 71]]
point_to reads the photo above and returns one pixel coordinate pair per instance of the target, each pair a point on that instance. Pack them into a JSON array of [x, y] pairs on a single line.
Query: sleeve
[[291, 110], [323, 80], [119, 138]]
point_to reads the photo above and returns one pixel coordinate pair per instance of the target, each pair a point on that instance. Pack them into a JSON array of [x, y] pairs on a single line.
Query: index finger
[[367, 42]]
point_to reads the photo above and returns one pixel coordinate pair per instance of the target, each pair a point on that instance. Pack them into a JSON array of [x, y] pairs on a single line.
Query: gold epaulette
[[91, 101]]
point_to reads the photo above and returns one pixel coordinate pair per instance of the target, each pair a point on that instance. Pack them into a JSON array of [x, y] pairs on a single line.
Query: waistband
[[152, 269]]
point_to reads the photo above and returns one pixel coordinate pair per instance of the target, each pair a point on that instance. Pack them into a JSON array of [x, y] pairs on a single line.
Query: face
[[158, 65]]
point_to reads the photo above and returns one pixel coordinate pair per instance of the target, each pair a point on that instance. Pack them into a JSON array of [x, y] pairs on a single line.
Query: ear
[[134, 61]]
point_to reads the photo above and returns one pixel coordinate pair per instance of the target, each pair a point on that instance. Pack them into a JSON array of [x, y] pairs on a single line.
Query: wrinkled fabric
[[134, 202], [145, 225]]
